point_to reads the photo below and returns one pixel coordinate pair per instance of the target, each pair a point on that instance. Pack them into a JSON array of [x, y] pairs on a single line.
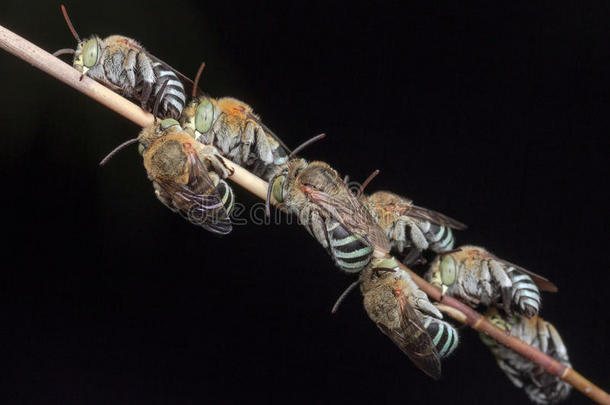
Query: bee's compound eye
[[204, 116], [90, 53], [278, 189], [141, 149], [169, 122], [448, 270]]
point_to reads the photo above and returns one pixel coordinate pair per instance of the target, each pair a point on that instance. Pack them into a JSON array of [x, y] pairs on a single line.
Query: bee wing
[[353, 215], [434, 217], [271, 133], [203, 207], [413, 340], [544, 283]]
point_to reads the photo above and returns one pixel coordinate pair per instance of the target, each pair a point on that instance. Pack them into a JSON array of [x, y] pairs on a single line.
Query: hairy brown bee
[[233, 127], [123, 65], [187, 176], [475, 276], [411, 229], [403, 312], [319, 197], [541, 387]]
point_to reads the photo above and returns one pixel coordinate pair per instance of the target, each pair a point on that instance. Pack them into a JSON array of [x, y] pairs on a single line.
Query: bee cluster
[[184, 155]]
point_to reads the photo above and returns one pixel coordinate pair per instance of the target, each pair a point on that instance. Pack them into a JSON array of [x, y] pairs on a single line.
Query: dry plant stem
[[46, 62], [463, 313], [63, 72]]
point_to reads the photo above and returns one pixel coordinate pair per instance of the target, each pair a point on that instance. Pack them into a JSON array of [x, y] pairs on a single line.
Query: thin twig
[[462, 313]]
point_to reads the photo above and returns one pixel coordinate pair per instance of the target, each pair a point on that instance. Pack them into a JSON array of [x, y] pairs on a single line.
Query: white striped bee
[[403, 312], [122, 64], [187, 176], [319, 197], [411, 229], [233, 127], [475, 276], [541, 387]]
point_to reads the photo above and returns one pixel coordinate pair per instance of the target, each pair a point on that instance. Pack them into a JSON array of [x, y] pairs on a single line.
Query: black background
[[495, 115]]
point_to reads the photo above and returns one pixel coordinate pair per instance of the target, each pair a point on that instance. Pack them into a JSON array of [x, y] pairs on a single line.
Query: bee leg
[[262, 146], [223, 138], [414, 258], [513, 375], [399, 234], [485, 279], [247, 139], [148, 77], [319, 230], [422, 303], [561, 353], [543, 335], [417, 236], [219, 166], [129, 65], [506, 285]]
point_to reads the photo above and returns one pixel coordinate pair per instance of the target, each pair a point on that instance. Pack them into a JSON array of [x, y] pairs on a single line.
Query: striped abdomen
[[226, 196], [351, 252], [444, 336], [526, 295], [173, 99], [440, 237]]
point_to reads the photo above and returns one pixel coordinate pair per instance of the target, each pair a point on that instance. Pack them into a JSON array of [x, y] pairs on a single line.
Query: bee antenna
[[305, 144], [65, 13], [448, 252], [196, 83], [268, 200], [366, 182], [63, 51], [115, 150], [159, 98], [343, 295]]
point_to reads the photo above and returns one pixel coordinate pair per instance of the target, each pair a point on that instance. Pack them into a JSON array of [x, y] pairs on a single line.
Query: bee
[[541, 387], [411, 229], [323, 203], [187, 176], [123, 65], [476, 276], [403, 312], [233, 127]]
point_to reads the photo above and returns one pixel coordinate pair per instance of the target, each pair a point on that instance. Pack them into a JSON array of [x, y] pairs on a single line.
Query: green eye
[[141, 149], [204, 116], [90, 53], [448, 270], [277, 189], [168, 123]]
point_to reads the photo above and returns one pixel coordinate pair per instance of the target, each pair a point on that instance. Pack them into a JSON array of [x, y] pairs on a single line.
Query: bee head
[[275, 189], [443, 272], [504, 323], [198, 116], [87, 54], [150, 134], [448, 272]]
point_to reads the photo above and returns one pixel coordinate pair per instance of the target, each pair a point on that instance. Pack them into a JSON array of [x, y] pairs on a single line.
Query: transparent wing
[[352, 214], [271, 133], [434, 217], [198, 201], [413, 340], [544, 283]]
